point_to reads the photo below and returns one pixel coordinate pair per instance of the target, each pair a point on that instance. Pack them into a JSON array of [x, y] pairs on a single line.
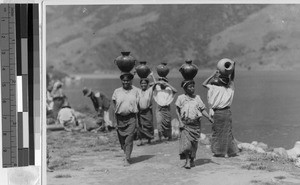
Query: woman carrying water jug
[[220, 93], [125, 100]]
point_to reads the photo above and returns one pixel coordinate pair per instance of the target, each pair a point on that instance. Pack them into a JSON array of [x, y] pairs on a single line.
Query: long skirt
[[126, 129], [145, 120], [163, 116], [223, 142], [188, 139]]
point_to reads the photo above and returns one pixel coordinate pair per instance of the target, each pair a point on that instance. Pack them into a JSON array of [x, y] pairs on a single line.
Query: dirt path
[[86, 160]]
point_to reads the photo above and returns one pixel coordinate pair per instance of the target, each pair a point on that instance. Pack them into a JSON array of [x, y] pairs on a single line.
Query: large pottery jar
[[225, 66], [162, 69], [125, 62], [188, 70], [142, 69]]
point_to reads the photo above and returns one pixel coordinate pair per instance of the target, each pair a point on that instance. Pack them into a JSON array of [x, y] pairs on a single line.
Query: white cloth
[[145, 100], [106, 119], [219, 96], [126, 100], [163, 97], [66, 115], [49, 100], [190, 107]]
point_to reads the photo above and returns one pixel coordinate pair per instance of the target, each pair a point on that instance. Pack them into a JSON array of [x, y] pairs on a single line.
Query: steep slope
[[86, 39], [268, 39]]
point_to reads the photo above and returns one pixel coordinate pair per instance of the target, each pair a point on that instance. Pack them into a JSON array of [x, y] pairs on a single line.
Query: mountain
[[267, 39], [87, 38]]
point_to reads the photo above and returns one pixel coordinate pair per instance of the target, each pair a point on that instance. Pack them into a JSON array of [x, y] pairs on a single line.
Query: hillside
[[86, 39], [268, 39]]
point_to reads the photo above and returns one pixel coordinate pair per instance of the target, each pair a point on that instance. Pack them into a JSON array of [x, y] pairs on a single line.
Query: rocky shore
[[292, 155]]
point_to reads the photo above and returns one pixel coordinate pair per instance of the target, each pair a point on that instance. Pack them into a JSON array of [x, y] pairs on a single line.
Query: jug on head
[[125, 62], [162, 69], [188, 70], [225, 66], [142, 69]]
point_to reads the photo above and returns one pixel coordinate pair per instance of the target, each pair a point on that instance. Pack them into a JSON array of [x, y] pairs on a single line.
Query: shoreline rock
[[262, 148]]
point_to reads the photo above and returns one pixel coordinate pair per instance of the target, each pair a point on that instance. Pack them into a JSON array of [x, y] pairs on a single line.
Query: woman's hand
[[217, 73]]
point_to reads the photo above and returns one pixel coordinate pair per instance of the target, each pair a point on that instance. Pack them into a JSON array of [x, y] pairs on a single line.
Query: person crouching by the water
[[67, 118], [145, 116], [101, 104], [125, 100], [189, 109], [220, 95], [163, 95]]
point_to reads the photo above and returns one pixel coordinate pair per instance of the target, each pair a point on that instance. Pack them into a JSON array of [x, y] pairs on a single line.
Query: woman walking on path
[[163, 95], [189, 109], [125, 100], [145, 116], [220, 95]]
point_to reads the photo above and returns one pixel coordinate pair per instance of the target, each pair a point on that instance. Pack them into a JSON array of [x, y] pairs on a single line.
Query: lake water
[[266, 105]]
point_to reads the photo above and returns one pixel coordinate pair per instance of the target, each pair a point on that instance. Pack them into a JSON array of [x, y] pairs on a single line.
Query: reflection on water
[[266, 105]]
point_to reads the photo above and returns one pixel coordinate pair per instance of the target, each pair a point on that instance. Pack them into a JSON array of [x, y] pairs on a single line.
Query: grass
[[269, 158], [63, 176], [255, 181], [62, 146], [268, 162], [280, 177], [254, 166]]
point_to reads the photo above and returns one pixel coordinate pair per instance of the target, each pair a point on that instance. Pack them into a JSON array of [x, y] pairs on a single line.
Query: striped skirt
[[163, 116], [188, 141], [145, 120], [126, 129], [223, 142]]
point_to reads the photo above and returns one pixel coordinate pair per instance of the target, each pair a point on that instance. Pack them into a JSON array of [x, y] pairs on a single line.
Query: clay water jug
[[125, 62], [142, 69], [188, 70], [225, 66], [162, 69]]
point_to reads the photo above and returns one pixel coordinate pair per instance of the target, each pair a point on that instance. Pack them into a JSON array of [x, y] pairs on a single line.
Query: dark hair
[[221, 81], [163, 78], [185, 83], [128, 75], [144, 79]]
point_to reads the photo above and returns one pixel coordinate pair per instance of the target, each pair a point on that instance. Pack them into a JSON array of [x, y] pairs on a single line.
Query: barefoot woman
[[190, 109], [220, 95], [125, 101]]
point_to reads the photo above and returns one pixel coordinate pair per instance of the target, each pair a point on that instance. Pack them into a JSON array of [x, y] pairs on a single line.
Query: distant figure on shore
[[125, 100], [163, 95], [49, 104], [67, 118], [145, 115], [189, 109], [59, 98], [220, 95], [101, 104]]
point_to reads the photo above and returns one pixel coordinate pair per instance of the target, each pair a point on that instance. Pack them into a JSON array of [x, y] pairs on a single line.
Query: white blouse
[[219, 96], [126, 100], [190, 107], [145, 100]]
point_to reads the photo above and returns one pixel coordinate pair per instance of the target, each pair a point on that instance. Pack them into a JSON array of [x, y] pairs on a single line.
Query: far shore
[[173, 73]]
